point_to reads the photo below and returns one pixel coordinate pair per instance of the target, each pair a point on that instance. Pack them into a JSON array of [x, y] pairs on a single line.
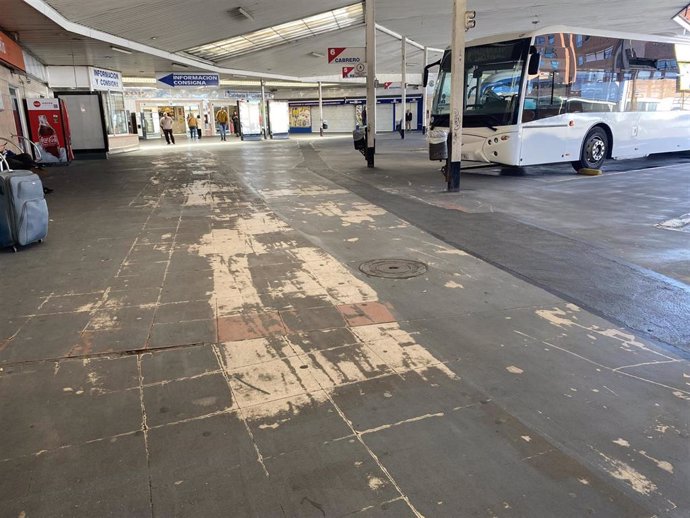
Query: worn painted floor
[[195, 339]]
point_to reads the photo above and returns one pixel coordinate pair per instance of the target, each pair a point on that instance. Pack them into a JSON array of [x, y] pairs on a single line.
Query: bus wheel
[[594, 150]]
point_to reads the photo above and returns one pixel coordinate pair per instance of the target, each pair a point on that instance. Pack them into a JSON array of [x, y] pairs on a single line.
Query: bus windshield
[[493, 78]]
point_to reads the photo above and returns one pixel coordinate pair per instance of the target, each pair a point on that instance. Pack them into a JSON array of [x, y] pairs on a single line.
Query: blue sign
[[337, 102], [186, 79]]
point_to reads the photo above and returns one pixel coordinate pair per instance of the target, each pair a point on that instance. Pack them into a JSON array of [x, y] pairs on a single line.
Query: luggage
[[23, 208]]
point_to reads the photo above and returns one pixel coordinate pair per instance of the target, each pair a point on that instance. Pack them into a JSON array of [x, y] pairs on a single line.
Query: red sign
[[387, 85], [359, 70], [346, 56], [334, 53], [11, 53]]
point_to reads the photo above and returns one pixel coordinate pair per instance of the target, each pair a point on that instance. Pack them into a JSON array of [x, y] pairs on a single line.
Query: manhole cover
[[393, 268]]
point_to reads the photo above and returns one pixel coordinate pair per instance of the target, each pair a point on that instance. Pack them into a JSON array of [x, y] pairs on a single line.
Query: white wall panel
[[340, 118], [384, 118]]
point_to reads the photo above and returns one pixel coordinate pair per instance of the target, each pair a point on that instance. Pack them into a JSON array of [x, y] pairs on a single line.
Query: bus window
[[546, 95], [493, 78]]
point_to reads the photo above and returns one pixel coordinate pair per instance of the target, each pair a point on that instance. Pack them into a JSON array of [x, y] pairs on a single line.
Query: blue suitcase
[[23, 208]]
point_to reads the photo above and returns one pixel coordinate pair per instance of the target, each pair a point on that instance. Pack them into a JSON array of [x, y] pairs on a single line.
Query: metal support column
[[425, 95], [457, 94], [371, 81], [264, 111], [403, 87], [320, 110]]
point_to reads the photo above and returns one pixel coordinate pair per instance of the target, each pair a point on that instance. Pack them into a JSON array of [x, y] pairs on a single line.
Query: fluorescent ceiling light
[[317, 55], [245, 13], [179, 65], [139, 80], [118, 49], [336, 19]]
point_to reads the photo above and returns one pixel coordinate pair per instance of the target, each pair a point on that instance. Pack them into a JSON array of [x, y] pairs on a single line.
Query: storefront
[[147, 114], [21, 77], [343, 115], [146, 105]]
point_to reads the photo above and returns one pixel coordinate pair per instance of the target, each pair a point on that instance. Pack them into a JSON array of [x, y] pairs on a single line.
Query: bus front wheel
[[595, 148]]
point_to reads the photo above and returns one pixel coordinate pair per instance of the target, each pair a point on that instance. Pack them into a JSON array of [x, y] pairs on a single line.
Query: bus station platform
[[272, 329]]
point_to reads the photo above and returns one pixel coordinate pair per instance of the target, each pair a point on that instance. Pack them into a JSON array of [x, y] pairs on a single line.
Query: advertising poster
[[300, 117], [47, 123]]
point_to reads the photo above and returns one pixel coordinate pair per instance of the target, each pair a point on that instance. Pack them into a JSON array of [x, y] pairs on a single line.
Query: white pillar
[[403, 86], [457, 92], [425, 94], [371, 81], [264, 111], [320, 110]]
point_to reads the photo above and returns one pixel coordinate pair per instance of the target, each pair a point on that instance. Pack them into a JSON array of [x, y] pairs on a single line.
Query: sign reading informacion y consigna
[[347, 56], [189, 79], [105, 80]]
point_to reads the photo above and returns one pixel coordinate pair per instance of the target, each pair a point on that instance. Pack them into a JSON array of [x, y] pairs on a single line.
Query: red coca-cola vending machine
[[49, 128]]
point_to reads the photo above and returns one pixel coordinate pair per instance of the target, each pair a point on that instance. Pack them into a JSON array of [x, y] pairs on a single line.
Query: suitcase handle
[[4, 166], [36, 150], [8, 141]]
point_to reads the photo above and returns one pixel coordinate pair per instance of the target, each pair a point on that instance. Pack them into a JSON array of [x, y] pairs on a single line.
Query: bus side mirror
[[426, 72], [534, 63]]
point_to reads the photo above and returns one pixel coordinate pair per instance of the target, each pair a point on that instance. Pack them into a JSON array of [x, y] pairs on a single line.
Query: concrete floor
[[195, 339]]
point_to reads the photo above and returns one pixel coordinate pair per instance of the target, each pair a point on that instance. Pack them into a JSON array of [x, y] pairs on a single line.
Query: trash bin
[[359, 136], [438, 144]]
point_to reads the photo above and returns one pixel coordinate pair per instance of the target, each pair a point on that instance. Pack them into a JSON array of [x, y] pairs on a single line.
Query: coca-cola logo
[[37, 104]]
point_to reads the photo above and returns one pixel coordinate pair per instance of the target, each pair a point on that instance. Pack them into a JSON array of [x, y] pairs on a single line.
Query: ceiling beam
[[399, 37]]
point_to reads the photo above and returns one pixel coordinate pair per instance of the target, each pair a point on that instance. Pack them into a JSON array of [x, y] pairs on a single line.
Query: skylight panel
[[277, 35]]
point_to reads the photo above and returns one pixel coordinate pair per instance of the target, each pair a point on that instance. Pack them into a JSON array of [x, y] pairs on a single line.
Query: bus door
[[546, 106]]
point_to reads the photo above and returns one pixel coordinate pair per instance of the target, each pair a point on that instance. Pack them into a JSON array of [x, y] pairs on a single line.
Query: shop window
[[115, 113]]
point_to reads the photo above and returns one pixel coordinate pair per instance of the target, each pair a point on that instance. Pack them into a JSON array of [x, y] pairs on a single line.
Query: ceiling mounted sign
[[346, 56], [189, 79], [101, 79], [359, 70]]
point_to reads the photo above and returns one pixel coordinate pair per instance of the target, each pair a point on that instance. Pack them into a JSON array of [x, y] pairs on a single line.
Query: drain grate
[[393, 268]]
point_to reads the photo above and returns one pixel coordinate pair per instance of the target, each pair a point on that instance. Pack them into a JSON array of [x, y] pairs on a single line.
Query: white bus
[[570, 95]]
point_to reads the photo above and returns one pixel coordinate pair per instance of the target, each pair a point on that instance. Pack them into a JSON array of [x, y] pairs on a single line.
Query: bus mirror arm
[[426, 71], [534, 63]]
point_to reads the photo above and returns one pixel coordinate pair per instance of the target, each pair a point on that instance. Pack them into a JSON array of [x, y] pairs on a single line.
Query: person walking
[[198, 128], [192, 124], [222, 120], [236, 123], [408, 120], [167, 127]]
